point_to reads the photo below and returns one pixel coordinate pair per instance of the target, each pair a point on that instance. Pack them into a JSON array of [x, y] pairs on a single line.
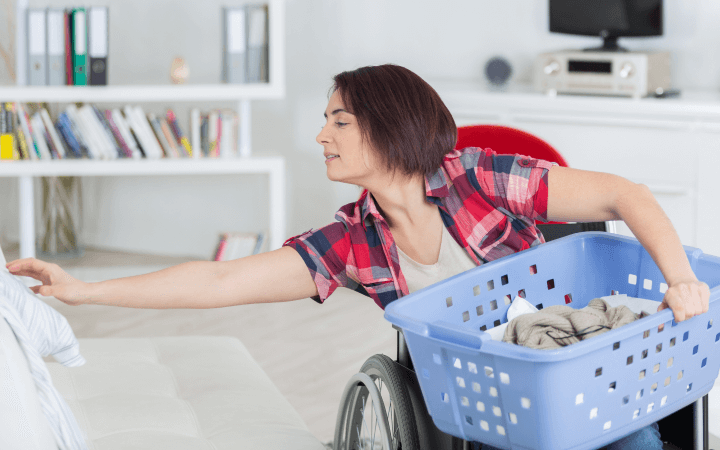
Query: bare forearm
[[189, 285], [643, 215]]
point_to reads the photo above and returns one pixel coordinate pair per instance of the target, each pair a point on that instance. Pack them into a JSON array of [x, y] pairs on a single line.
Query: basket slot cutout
[[672, 342], [493, 305], [626, 400], [466, 316], [695, 349], [444, 397], [513, 418], [539, 306], [533, 269], [525, 402], [653, 388], [484, 425], [507, 299], [663, 288], [505, 378], [480, 406], [460, 381], [568, 299], [579, 399], [598, 371], [607, 425], [663, 401], [650, 407], [647, 284], [632, 279], [629, 360], [636, 413], [468, 419], [658, 348], [497, 411], [710, 323], [644, 354], [489, 372], [472, 368], [656, 368], [717, 338], [465, 402], [476, 290], [504, 280], [616, 346], [641, 375], [483, 328], [457, 363], [612, 386], [479, 310], [448, 302], [497, 323], [639, 394], [646, 334], [551, 284], [493, 391], [593, 413], [476, 387], [500, 430], [667, 381], [661, 328], [689, 388], [680, 375], [490, 285], [704, 362], [686, 336], [521, 294]]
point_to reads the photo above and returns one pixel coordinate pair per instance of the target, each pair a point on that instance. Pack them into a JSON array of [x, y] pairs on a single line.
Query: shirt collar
[[436, 185]]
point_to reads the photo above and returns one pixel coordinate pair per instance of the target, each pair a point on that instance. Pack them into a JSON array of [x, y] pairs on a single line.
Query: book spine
[[54, 138], [25, 124], [63, 127], [157, 129], [109, 134], [127, 135], [127, 152], [71, 114], [204, 143], [181, 139], [43, 137], [147, 131], [169, 137]]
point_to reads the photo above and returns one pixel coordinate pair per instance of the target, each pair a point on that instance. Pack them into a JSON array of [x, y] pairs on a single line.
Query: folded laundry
[[560, 325]]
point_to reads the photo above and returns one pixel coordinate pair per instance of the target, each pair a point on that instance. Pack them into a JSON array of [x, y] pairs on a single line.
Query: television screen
[[607, 18]]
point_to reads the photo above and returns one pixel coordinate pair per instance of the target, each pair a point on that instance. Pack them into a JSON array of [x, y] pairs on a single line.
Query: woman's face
[[348, 159]]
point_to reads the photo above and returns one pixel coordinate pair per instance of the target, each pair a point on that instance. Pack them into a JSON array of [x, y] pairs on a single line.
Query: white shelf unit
[[274, 167]]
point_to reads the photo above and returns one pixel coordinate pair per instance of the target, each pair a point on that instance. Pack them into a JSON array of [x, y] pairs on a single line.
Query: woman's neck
[[403, 202]]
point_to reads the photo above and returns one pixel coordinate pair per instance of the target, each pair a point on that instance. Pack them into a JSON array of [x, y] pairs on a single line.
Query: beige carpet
[[308, 350]]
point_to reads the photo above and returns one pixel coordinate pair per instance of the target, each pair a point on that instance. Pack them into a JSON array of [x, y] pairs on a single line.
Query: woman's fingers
[[686, 299]]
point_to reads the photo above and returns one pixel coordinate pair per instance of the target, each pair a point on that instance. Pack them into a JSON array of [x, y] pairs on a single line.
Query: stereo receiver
[[634, 74]]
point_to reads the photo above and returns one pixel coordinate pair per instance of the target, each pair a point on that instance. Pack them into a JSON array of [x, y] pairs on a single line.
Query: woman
[[427, 212]]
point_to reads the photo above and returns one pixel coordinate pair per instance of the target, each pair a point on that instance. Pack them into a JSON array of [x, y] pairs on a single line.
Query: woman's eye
[[341, 124]]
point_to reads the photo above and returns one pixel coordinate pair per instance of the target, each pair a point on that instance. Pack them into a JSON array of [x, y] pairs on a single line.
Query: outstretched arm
[[584, 196], [276, 276]]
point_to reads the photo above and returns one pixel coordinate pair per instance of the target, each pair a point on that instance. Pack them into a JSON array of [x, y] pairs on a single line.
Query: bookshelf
[[243, 94]]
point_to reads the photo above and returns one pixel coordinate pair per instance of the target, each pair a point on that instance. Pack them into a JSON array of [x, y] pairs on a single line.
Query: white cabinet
[[671, 145]]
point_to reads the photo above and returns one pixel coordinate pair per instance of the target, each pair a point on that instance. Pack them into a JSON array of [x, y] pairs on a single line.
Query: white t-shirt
[[452, 260]]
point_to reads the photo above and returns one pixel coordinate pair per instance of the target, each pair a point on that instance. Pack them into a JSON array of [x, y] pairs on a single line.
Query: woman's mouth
[[330, 157]]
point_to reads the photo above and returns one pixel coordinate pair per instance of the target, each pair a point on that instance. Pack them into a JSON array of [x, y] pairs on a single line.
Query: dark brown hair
[[400, 116]]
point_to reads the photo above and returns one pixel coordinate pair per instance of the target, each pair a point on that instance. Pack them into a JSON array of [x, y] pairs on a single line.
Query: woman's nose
[[322, 137]]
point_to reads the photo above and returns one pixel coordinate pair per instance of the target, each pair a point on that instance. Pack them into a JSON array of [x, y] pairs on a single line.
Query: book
[[195, 131], [37, 47], [204, 144], [126, 133], [65, 129], [55, 139], [160, 135], [234, 44], [233, 246], [128, 153], [97, 44], [169, 136], [37, 129], [183, 142], [67, 28], [213, 133], [79, 41], [56, 46], [257, 44], [32, 149]]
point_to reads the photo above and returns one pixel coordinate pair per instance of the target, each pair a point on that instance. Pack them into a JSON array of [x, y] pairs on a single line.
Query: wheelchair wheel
[[375, 410]]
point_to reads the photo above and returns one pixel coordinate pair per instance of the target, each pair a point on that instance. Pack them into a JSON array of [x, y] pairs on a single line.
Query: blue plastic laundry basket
[[579, 397]]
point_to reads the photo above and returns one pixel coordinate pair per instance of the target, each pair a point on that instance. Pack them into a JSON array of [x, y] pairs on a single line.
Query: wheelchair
[[382, 406]]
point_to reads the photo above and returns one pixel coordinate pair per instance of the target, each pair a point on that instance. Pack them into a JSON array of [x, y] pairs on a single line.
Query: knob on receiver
[[627, 70], [552, 68]]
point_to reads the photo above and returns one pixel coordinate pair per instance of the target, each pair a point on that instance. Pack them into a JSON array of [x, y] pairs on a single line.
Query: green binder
[[79, 46]]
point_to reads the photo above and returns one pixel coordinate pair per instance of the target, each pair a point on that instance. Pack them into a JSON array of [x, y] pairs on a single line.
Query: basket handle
[[449, 332]]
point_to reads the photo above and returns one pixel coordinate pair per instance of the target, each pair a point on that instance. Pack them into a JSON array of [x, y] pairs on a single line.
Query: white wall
[[450, 39]]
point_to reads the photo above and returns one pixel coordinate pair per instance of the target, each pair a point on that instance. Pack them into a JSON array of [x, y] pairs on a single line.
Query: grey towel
[[560, 325]]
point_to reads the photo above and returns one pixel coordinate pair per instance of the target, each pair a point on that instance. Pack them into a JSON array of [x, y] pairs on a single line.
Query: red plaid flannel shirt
[[488, 202]]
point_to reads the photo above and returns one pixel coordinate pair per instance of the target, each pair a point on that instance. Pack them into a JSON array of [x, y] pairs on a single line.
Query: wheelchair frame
[[694, 415]]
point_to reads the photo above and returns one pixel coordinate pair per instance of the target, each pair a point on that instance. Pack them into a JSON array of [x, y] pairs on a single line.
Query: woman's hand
[[55, 281], [686, 299]]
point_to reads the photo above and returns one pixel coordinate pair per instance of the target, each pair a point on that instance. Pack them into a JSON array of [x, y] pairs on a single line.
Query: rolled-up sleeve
[[516, 183], [325, 252]]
